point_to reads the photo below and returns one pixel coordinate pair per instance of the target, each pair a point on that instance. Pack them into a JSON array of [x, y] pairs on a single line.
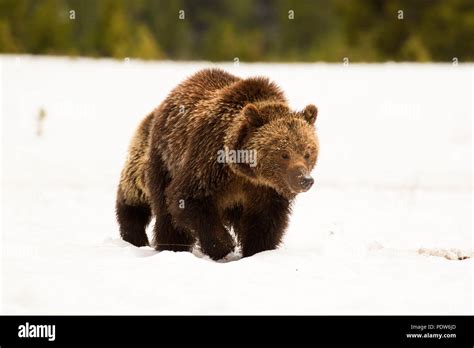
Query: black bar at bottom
[[452, 331]]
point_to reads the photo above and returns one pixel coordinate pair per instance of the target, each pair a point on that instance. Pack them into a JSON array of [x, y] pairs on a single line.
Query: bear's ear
[[310, 113], [252, 115]]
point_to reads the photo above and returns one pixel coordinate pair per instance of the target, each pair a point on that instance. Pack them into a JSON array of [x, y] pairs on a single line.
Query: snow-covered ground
[[394, 177]]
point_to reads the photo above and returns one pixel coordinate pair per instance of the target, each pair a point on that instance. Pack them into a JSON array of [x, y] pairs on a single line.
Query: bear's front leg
[[262, 227], [202, 218]]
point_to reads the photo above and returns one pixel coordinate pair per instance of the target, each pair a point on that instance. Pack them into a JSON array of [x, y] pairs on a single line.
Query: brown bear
[[220, 152]]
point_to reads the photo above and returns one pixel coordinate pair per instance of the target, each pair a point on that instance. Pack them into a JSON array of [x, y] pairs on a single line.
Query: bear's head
[[284, 142]]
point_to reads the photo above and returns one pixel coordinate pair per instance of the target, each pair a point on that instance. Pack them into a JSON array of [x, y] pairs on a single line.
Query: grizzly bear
[[220, 152]]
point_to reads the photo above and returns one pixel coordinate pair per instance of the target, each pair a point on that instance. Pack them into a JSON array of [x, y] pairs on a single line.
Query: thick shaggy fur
[[172, 170]]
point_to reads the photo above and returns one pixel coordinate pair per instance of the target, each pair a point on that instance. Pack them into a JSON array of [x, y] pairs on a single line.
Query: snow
[[393, 195]]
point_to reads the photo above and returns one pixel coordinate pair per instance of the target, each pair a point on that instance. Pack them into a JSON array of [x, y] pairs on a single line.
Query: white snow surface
[[393, 195]]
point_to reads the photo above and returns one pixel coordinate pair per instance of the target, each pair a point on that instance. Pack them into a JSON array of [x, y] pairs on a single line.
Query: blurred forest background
[[252, 30]]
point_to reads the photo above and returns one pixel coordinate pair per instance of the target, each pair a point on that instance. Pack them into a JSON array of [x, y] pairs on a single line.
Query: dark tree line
[[252, 30]]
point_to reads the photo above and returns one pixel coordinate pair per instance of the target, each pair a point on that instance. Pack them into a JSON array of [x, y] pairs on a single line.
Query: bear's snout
[[300, 180], [306, 182]]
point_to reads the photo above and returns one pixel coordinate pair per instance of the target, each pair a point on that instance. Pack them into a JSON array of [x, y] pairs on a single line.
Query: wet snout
[[300, 180], [306, 182]]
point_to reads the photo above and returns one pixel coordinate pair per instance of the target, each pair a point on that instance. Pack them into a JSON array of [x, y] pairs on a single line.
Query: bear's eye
[[306, 155], [285, 156]]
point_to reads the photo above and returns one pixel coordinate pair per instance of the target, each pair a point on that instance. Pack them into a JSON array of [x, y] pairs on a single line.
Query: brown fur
[[172, 171]]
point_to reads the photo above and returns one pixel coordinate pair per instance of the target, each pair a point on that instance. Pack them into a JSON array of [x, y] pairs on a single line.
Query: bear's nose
[[307, 182]]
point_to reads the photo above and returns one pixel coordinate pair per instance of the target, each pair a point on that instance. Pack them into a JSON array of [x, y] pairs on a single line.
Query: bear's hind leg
[[166, 236], [133, 221]]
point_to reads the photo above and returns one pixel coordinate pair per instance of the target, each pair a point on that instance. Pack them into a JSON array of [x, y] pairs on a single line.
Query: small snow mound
[[141, 252], [234, 255], [127, 248], [450, 254], [116, 242]]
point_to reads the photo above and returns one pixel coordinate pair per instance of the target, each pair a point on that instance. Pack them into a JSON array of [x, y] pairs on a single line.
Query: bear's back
[[202, 85]]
